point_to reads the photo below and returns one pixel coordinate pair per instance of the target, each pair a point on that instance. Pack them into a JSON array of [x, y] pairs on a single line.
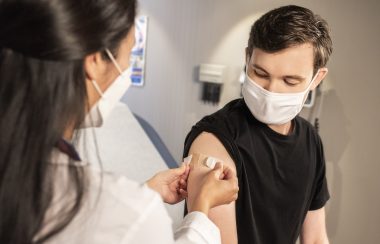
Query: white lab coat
[[120, 211]]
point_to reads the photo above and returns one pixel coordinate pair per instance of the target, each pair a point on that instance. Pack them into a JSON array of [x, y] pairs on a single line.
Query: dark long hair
[[42, 91]]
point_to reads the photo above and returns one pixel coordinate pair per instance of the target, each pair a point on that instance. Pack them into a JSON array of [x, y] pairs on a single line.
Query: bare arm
[[223, 216], [314, 228]]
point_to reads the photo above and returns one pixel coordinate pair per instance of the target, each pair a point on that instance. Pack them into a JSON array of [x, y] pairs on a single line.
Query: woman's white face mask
[[101, 110], [273, 108]]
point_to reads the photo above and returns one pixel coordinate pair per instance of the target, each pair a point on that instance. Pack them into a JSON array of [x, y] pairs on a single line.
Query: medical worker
[[63, 66]]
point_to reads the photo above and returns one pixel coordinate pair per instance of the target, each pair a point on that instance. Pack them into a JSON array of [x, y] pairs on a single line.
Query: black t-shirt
[[280, 177]]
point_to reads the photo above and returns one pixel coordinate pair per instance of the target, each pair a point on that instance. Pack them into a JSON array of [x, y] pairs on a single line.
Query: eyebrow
[[295, 77]]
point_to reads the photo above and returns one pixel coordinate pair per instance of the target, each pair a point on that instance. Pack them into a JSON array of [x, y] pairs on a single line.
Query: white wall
[[183, 34]]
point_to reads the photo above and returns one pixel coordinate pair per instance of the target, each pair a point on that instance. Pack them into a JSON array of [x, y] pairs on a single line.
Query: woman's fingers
[[182, 184], [218, 166], [228, 173], [183, 193], [180, 170], [231, 179], [218, 170], [223, 172], [235, 184], [187, 171]]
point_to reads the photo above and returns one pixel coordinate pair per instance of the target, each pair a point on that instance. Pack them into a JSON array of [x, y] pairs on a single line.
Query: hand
[[210, 188], [171, 184]]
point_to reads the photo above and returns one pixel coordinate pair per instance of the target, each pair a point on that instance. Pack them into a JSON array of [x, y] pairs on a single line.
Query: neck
[[68, 135], [69, 132], [93, 97], [284, 129]]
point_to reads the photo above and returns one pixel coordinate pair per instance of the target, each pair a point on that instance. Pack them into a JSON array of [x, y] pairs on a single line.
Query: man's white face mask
[[100, 111], [273, 108]]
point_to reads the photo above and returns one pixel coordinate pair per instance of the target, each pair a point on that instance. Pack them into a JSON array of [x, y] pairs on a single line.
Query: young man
[[278, 156]]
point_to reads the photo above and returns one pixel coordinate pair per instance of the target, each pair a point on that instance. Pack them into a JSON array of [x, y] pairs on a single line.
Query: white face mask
[[100, 111], [273, 108]]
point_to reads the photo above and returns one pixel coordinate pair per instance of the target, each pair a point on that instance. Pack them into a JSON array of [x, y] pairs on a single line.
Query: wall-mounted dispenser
[[212, 77]]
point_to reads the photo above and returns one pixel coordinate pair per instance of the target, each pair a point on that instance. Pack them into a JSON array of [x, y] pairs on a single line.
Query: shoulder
[[225, 121], [230, 113], [308, 130], [312, 140], [209, 145], [304, 123], [215, 134]]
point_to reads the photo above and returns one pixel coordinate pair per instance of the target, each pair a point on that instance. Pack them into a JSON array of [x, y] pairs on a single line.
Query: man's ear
[[94, 66], [320, 76]]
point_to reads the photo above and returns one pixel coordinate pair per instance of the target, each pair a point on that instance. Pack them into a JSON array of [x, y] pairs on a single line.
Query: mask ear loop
[[97, 88], [94, 83], [309, 86], [312, 81], [113, 60]]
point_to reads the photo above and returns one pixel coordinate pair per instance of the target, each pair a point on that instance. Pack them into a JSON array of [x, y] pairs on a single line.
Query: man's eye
[[290, 83], [261, 75]]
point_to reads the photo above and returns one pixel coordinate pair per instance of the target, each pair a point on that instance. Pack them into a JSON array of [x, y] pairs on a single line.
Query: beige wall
[[184, 33]]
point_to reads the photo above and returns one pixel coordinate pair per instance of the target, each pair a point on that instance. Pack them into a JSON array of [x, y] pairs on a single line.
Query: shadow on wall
[[335, 138]]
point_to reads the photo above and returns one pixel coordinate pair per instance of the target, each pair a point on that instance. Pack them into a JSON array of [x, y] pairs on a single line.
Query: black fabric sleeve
[[321, 193]]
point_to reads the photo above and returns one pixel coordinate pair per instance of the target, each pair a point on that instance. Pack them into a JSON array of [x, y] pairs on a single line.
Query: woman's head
[[46, 49], [101, 74], [64, 30]]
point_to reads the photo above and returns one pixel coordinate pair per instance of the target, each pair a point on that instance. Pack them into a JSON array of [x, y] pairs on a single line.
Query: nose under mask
[[273, 108]]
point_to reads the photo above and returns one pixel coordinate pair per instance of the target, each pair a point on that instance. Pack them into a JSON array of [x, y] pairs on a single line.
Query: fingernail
[[188, 159]]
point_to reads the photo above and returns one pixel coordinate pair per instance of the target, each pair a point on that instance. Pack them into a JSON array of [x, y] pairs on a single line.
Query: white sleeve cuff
[[199, 227]]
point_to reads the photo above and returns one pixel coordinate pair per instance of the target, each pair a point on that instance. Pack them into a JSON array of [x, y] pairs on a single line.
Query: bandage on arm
[[205, 146], [199, 160]]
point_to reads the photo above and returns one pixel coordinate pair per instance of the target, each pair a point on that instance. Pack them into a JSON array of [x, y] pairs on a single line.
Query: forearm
[[314, 228]]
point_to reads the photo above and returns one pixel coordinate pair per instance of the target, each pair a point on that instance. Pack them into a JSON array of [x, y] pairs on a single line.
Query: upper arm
[[223, 216], [314, 227]]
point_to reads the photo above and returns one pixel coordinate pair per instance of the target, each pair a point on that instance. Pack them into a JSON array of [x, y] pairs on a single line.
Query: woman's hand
[[171, 184], [211, 188]]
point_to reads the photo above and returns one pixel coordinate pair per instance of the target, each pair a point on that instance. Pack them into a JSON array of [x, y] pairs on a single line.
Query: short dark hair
[[289, 26]]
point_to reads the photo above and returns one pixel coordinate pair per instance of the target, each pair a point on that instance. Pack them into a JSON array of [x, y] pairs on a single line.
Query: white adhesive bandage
[[201, 160]]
